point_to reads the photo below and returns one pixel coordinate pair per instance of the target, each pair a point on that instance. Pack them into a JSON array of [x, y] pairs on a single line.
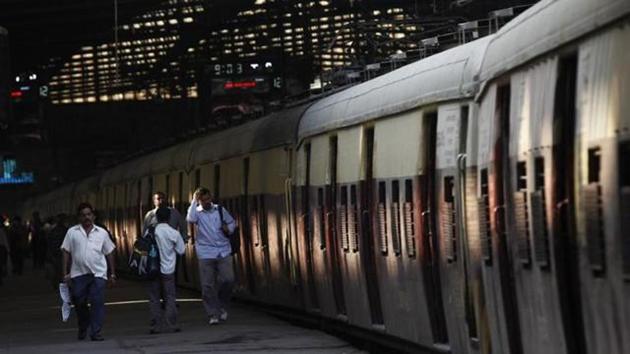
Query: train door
[[565, 238], [499, 196], [430, 243], [332, 234], [368, 234], [245, 230], [307, 230], [180, 205]]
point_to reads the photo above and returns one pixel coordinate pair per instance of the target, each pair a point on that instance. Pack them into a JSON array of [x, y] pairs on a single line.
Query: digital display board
[[11, 176]]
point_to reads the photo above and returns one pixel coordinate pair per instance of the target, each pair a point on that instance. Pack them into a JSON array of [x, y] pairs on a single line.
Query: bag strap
[[221, 213]]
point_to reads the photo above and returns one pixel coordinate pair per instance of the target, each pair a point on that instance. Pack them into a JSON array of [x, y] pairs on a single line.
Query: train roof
[[545, 26], [447, 75], [276, 129]]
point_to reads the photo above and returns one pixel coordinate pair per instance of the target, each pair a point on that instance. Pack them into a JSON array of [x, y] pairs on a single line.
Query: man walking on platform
[[175, 219], [213, 252], [91, 251], [169, 243]]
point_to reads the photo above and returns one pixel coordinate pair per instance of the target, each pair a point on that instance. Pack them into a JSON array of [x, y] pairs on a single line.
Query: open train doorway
[[566, 243]]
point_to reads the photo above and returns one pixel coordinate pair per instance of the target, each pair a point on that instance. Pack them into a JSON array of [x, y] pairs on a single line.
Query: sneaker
[[223, 316], [213, 320]]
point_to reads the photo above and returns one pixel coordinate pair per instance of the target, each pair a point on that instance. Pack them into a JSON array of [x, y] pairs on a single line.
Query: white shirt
[[88, 251], [168, 241]]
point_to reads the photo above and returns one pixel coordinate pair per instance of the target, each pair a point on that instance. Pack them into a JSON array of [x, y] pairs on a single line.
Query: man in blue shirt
[[213, 252]]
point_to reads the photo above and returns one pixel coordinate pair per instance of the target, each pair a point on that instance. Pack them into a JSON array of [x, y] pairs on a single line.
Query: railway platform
[[30, 322]]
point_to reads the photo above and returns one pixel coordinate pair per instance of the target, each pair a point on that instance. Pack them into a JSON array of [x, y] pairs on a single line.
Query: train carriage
[[542, 241]]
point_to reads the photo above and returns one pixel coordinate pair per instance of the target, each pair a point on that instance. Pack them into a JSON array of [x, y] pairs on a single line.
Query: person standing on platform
[[213, 252], [169, 243], [91, 251], [18, 238], [4, 253], [54, 255], [175, 220]]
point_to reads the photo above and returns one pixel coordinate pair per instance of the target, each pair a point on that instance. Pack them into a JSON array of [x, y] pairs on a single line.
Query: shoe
[[224, 315], [82, 334], [97, 338], [154, 331], [213, 320], [177, 330]]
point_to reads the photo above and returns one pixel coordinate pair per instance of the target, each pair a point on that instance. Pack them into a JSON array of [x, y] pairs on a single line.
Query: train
[[475, 201]]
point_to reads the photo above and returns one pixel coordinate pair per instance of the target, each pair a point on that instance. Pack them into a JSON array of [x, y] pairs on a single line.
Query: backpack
[[144, 260], [234, 237]]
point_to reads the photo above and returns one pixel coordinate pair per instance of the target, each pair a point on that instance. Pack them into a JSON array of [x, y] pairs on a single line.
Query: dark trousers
[[89, 289], [217, 280], [17, 259], [4, 255], [163, 286]]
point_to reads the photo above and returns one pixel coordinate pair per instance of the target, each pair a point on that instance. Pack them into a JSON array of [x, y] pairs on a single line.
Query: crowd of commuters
[[79, 251]]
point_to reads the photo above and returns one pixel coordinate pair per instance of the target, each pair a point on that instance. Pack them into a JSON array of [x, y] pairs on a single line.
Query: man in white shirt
[[170, 243], [91, 251]]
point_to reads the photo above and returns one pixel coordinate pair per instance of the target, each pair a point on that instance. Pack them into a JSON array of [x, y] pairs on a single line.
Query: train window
[[395, 215], [353, 228], [410, 231], [485, 233], [521, 175], [592, 195], [624, 185], [217, 181], [321, 217], [382, 217], [449, 234], [539, 215], [593, 165], [343, 218], [539, 172]]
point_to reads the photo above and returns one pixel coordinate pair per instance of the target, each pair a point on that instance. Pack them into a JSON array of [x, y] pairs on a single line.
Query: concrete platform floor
[[30, 322]]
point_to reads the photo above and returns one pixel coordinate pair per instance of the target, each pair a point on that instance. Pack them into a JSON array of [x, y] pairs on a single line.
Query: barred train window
[[382, 217]]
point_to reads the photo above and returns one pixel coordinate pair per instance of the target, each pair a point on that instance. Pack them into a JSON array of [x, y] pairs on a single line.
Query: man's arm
[[191, 216], [180, 247], [111, 265], [229, 220]]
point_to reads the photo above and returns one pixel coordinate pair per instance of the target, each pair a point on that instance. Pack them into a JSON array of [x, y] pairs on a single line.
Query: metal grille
[[448, 232], [625, 230], [382, 227], [410, 230], [539, 225], [396, 228], [522, 228], [343, 218], [594, 228], [484, 230], [352, 228]]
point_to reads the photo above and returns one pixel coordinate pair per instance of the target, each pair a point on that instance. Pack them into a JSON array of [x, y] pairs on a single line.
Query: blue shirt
[[210, 241]]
